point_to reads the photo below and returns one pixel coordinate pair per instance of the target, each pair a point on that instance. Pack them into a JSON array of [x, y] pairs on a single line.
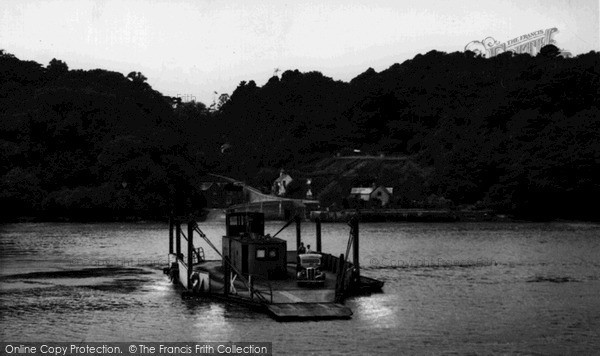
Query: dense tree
[[89, 144], [514, 133]]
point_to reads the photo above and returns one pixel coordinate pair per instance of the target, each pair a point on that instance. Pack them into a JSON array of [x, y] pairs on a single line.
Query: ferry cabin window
[[267, 254]]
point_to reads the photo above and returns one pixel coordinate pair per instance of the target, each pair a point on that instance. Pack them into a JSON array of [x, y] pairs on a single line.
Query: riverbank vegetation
[[514, 133]]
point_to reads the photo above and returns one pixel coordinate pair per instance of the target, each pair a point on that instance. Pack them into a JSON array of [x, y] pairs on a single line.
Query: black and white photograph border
[[299, 177]]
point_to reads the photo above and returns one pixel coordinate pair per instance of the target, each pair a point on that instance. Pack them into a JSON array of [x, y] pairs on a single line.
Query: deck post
[[318, 224], [339, 282], [334, 264], [226, 276], [298, 232], [178, 238], [355, 247], [171, 235], [298, 240], [190, 252]]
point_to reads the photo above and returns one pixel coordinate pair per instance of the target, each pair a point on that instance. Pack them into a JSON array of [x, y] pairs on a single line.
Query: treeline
[[91, 145], [514, 133]]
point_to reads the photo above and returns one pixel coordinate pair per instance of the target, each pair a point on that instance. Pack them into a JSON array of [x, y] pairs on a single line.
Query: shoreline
[[341, 216], [411, 215]]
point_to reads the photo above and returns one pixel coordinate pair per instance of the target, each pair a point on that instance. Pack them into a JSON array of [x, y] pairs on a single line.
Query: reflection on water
[[464, 288]]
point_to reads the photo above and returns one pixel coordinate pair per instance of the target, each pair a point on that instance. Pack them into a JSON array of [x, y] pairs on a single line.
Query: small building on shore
[[220, 193], [280, 185], [380, 193]]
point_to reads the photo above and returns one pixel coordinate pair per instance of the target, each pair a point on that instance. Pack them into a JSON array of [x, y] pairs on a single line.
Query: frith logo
[[186, 97], [530, 43]]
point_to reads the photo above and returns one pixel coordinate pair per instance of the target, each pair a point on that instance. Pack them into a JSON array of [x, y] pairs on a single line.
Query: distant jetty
[[417, 215]]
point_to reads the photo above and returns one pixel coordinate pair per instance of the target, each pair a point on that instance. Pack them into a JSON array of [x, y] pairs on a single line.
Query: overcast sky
[[197, 47]]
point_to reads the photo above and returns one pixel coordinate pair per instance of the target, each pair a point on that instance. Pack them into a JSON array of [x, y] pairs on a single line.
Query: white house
[[381, 193], [281, 183]]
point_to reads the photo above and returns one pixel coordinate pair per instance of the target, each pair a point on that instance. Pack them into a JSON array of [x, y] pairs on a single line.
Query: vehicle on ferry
[[309, 270]]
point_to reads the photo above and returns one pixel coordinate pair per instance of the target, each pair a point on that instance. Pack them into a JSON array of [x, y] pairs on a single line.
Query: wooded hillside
[[514, 133]]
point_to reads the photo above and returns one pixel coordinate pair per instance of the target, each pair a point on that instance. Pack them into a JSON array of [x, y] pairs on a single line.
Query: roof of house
[[389, 189], [369, 190], [206, 186], [361, 191], [284, 178]]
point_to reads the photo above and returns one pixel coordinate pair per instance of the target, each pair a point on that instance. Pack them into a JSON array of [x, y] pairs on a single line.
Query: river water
[[465, 288]]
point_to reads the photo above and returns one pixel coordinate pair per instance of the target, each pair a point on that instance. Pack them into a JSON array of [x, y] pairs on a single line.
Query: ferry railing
[[344, 271], [198, 251], [262, 280], [246, 283]]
